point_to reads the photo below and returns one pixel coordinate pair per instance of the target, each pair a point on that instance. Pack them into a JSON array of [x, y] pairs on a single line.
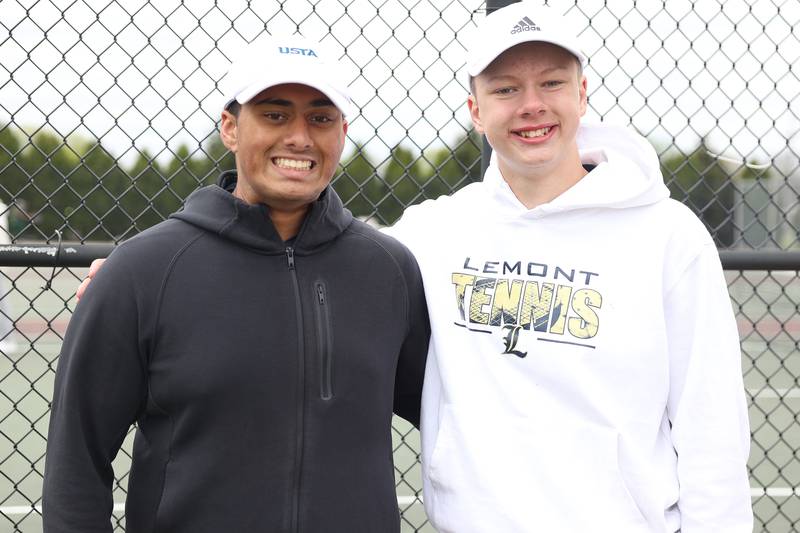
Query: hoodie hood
[[626, 173], [215, 209]]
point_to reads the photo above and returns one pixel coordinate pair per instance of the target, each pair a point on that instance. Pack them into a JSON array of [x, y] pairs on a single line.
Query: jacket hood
[[215, 209], [626, 173]]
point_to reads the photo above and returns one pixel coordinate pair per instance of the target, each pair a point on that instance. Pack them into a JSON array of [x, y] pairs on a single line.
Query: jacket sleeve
[[706, 406], [100, 387], [411, 363]]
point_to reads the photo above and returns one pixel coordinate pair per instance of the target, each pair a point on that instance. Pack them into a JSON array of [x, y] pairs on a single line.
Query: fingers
[[93, 268], [82, 288]]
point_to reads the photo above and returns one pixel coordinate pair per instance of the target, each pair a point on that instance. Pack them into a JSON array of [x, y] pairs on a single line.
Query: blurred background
[[108, 115]]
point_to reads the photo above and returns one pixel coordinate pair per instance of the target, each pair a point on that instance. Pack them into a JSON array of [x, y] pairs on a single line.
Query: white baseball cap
[[275, 60], [517, 23]]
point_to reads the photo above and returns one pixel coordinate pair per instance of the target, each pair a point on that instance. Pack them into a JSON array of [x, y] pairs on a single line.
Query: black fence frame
[[61, 254]]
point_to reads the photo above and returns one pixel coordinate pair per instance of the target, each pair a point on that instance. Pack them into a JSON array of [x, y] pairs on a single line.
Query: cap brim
[[344, 104], [475, 68]]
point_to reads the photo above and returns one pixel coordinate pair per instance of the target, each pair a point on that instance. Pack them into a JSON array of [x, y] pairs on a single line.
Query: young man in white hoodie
[[584, 371]]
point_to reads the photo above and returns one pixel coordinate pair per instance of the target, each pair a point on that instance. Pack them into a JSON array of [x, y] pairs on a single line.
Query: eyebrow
[[320, 102], [543, 72], [551, 69]]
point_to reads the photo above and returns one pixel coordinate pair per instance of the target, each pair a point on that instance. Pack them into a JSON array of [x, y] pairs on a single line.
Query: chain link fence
[[108, 112]]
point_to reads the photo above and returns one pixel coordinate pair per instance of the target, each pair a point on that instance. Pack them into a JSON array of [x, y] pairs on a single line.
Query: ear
[[582, 93], [228, 131], [475, 113], [343, 137]]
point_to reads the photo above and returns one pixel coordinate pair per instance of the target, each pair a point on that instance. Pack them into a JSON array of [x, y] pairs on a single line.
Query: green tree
[[49, 197], [455, 167], [77, 186], [358, 184], [13, 181], [99, 181], [212, 159], [405, 174], [698, 181], [385, 189]]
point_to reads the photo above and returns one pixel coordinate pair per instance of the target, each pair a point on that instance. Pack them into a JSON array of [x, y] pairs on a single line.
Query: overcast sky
[[143, 75]]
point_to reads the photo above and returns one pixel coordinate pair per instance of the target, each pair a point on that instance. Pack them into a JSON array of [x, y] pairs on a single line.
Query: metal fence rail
[[108, 112]]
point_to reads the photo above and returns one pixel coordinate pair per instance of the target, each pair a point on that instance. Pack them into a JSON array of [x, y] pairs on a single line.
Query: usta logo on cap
[[301, 51], [274, 60]]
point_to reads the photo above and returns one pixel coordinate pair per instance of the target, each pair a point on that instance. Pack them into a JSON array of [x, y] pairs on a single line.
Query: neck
[[535, 189], [287, 222], [286, 219]]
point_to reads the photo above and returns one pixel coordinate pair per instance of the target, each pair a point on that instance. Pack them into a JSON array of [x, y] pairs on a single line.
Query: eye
[[274, 116], [504, 90], [322, 119], [553, 83]]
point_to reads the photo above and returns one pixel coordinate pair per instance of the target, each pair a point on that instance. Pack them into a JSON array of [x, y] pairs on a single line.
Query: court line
[[774, 492], [755, 492], [17, 510], [119, 507], [773, 394]]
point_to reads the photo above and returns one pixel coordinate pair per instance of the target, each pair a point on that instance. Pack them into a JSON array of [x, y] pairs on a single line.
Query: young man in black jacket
[[260, 338]]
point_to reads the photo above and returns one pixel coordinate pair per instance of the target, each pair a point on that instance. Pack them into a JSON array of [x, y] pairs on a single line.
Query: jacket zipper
[[298, 464], [324, 343]]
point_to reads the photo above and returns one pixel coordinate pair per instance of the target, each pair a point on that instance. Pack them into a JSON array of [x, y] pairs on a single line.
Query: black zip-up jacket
[[261, 375]]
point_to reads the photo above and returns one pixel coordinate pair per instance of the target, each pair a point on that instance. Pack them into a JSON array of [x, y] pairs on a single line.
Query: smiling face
[[528, 102], [288, 140]]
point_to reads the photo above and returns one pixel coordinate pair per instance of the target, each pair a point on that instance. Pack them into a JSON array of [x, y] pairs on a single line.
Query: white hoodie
[[584, 371]]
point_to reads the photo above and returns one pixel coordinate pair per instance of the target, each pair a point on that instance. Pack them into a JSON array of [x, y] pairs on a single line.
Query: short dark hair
[[233, 108]]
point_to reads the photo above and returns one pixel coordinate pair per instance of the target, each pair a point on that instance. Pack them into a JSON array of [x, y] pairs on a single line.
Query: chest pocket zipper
[[324, 342]]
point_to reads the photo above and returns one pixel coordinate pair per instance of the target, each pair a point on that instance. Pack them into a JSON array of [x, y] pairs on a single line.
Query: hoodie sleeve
[[411, 363], [100, 387], [706, 406]]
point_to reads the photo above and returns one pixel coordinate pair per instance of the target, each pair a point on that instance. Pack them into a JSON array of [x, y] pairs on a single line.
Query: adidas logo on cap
[[525, 24]]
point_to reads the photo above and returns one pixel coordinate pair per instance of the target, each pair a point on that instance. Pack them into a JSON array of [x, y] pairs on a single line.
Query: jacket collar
[[215, 209]]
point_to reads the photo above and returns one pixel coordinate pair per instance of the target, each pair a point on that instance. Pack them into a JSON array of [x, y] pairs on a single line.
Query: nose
[[298, 135], [532, 103]]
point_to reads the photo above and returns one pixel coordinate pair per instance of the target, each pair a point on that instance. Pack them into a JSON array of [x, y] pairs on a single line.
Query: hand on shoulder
[[93, 269]]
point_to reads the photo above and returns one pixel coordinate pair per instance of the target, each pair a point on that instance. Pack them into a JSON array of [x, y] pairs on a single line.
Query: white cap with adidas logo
[[517, 23]]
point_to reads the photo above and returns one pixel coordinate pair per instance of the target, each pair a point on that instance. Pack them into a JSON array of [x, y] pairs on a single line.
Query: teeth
[[294, 164], [534, 133]]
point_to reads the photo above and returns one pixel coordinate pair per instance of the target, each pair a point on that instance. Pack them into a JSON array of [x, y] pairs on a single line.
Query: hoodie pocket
[[324, 341], [529, 471]]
